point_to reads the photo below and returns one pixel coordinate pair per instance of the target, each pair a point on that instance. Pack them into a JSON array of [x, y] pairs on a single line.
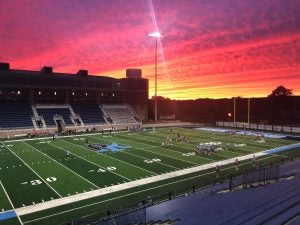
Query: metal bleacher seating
[[274, 204], [15, 114], [119, 113], [89, 112], [49, 113]]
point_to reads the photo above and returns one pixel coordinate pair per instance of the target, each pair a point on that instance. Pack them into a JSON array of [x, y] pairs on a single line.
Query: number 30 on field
[[37, 182]]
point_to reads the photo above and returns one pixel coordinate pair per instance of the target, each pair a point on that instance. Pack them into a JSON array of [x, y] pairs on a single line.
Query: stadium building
[[47, 100]]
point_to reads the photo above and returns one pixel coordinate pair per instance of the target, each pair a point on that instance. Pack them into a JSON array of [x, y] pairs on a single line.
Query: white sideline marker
[[5, 192]]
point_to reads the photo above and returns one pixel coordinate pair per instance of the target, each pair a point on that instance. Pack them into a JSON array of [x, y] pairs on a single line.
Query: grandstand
[[272, 199], [53, 114], [51, 101], [89, 112], [120, 113], [15, 113]]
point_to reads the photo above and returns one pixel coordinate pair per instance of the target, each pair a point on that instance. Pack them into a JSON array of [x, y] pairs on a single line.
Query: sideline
[[64, 136], [10, 213], [82, 196]]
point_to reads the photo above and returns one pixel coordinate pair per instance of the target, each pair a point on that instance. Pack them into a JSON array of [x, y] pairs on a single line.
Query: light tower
[[156, 35]]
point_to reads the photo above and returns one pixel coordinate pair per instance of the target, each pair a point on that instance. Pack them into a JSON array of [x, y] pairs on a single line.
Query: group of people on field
[[169, 140], [208, 148]]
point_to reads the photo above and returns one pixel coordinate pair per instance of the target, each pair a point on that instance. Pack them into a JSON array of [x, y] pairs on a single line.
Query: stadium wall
[[256, 126]]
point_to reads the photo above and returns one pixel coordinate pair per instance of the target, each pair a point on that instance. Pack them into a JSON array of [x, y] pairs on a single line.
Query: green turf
[[12, 221], [4, 202], [47, 167], [35, 161], [81, 167], [16, 178]]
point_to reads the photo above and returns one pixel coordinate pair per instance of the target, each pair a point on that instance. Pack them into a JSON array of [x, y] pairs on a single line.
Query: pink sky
[[215, 49]]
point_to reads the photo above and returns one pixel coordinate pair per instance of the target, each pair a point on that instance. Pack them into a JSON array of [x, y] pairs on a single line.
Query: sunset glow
[[209, 49]]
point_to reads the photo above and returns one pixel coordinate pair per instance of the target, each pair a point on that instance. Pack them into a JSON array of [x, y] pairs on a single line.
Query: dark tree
[[281, 91]]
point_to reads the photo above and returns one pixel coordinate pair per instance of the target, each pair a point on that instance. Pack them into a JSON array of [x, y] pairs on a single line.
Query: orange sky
[[210, 49]]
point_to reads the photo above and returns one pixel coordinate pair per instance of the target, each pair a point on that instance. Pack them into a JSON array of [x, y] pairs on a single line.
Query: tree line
[[280, 107]]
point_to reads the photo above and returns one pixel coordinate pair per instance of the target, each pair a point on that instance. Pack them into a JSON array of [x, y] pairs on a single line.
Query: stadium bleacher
[[49, 113], [15, 114], [89, 112], [273, 204], [119, 113], [18, 114]]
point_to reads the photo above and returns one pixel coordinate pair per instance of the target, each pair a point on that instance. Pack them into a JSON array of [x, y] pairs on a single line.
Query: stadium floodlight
[[156, 35]]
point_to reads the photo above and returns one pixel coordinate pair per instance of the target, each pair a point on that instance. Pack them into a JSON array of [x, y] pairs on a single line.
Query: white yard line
[[90, 162], [12, 205], [111, 158], [216, 153], [62, 165], [32, 170], [164, 149], [126, 152], [124, 186]]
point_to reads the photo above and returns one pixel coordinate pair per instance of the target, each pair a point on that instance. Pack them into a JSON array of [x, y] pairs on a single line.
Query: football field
[[91, 174]]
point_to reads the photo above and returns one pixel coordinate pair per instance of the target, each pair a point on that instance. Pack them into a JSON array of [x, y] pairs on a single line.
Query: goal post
[[241, 124]]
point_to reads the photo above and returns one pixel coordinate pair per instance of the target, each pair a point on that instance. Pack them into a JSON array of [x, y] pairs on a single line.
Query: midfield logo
[[115, 147]]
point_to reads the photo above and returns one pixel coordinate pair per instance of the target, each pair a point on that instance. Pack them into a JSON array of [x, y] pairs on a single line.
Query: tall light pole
[[157, 35]]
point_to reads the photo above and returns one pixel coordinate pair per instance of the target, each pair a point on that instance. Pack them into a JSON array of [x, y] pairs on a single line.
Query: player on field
[[237, 164], [217, 171], [254, 161], [68, 154]]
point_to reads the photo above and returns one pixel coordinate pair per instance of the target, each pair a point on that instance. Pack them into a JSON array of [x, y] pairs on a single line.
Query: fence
[[256, 126], [133, 216]]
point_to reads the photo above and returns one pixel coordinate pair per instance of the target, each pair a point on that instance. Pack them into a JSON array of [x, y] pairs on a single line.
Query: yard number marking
[[189, 154], [152, 160], [37, 182], [109, 168]]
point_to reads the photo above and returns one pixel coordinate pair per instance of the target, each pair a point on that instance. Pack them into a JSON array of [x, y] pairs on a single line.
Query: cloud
[[212, 48]]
